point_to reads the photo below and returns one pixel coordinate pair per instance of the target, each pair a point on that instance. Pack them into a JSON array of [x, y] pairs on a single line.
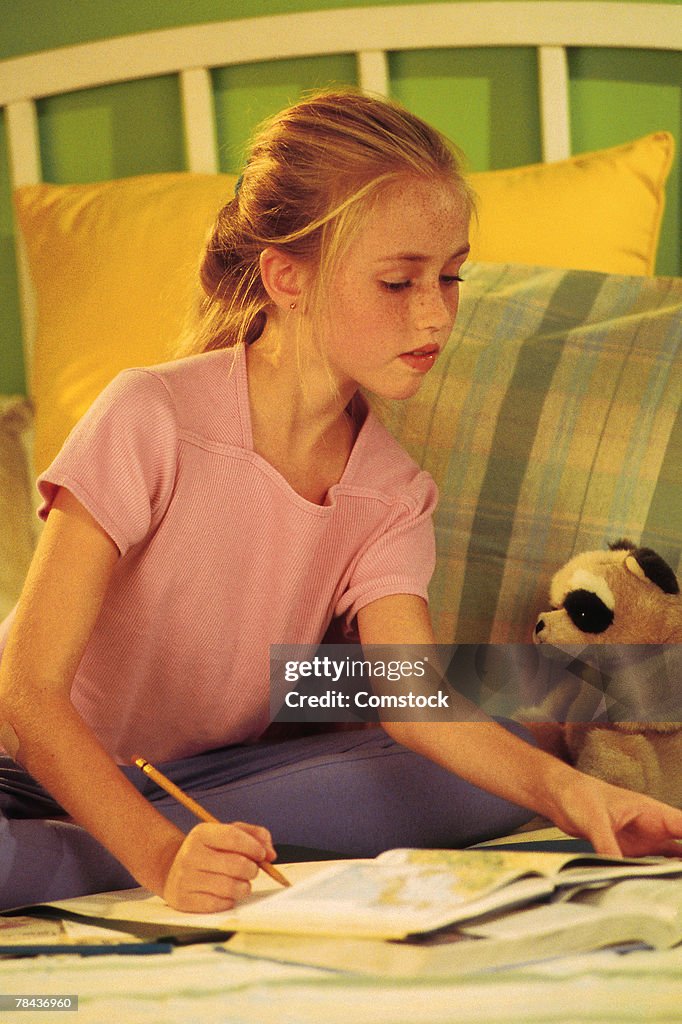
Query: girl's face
[[394, 296]]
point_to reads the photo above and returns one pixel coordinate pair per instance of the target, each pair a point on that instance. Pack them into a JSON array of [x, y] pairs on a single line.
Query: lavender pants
[[353, 794]]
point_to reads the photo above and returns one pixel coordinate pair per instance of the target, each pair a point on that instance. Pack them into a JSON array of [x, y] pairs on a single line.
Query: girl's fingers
[[259, 833], [620, 822], [217, 862], [673, 821], [233, 838], [222, 888], [604, 841], [671, 848], [214, 866], [208, 899]]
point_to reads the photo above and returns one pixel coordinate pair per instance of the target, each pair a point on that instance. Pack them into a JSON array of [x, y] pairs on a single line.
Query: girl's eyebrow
[[417, 257]]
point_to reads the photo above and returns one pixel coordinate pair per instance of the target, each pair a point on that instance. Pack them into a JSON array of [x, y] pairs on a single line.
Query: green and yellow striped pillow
[[552, 425]]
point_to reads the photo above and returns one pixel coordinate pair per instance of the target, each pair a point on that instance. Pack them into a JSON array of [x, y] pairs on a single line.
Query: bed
[[552, 425]]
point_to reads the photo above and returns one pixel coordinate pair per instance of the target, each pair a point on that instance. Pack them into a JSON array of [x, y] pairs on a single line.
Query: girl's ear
[[282, 276]]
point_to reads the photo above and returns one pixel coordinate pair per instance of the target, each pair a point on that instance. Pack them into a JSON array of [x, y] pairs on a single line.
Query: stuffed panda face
[[587, 611], [609, 597], [583, 606]]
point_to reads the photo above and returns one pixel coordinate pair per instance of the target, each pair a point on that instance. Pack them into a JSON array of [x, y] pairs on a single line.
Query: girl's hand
[[619, 822], [215, 865]]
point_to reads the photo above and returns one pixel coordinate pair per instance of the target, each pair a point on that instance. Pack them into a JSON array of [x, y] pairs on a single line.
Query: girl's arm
[[615, 820], [66, 585]]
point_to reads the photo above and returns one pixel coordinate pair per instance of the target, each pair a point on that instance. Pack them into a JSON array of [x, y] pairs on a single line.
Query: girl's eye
[[395, 286], [447, 280]]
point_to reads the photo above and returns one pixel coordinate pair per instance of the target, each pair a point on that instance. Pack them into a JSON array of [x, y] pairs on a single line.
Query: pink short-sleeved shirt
[[220, 557]]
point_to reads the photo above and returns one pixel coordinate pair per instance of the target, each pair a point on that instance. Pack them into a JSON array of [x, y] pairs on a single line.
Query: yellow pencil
[[160, 779]]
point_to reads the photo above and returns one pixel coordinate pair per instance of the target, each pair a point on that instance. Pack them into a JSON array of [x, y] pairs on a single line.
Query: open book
[[625, 914], [398, 894]]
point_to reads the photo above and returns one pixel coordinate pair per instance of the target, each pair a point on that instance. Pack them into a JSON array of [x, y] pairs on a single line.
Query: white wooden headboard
[[369, 33]]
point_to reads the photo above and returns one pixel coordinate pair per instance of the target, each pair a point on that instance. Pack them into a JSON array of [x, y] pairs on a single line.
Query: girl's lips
[[421, 359]]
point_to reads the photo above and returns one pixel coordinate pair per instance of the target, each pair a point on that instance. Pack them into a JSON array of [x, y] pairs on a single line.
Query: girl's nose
[[434, 312]]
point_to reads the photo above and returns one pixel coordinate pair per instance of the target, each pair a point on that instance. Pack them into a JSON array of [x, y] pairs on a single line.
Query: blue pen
[[83, 949]]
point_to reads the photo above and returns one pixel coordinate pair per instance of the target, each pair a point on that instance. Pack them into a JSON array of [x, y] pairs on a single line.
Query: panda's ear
[[622, 545], [646, 564]]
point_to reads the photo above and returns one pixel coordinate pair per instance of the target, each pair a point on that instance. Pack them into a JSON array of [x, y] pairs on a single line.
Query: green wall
[[485, 100]]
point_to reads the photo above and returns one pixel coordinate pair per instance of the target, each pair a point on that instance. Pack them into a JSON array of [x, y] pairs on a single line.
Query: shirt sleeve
[[401, 558], [120, 459]]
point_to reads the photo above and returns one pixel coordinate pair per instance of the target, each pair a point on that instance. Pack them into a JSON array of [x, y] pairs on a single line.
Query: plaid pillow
[[551, 424]]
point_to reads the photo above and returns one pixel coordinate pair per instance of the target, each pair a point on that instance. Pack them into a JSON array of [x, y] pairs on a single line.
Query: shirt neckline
[[360, 409]]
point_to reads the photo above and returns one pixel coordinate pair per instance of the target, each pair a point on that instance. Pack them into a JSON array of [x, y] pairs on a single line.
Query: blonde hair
[[311, 175]]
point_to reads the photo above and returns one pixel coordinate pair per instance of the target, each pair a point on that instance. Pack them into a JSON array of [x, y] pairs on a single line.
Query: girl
[[244, 496]]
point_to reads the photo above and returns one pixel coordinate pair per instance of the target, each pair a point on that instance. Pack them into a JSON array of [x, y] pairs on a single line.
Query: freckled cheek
[[372, 313]]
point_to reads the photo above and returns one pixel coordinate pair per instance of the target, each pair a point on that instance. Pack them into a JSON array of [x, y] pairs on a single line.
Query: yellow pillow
[[114, 266], [597, 211], [114, 263]]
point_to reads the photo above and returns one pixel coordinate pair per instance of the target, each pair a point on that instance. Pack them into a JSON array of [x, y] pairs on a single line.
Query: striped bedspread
[[552, 425]]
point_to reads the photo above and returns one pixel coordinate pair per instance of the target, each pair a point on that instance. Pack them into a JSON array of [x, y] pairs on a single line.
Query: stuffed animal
[[628, 597]]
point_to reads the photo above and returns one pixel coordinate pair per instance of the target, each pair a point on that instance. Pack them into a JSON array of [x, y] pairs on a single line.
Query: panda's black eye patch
[[588, 612]]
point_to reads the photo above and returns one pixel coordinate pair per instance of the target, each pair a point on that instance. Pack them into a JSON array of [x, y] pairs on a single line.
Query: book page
[[659, 897], [409, 891], [141, 906], [405, 892], [22, 930], [644, 909], [401, 893], [375, 899], [485, 867], [508, 864]]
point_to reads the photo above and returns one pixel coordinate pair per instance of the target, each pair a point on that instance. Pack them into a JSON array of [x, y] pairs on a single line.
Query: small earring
[[292, 305]]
